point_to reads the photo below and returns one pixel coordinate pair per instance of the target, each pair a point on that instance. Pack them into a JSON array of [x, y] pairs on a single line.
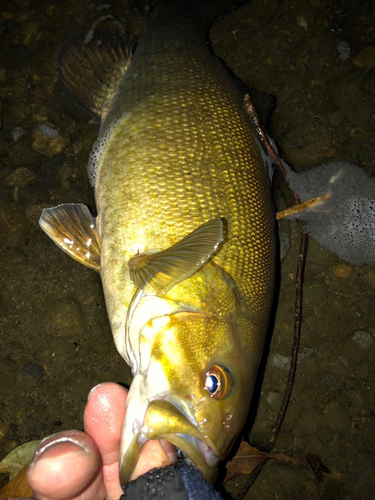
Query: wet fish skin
[[177, 150]]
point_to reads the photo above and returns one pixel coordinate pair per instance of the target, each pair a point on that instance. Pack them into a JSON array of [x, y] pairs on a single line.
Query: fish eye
[[218, 382]]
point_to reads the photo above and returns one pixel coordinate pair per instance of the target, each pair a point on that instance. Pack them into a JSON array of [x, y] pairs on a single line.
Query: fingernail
[[93, 390], [169, 450], [51, 443]]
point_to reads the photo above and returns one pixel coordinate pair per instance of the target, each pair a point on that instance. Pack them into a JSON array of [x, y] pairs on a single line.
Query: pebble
[[273, 399], [279, 361], [342, 271], [363, 338], [31, 374], [357, 400], [283, 362], [364, 58], [49, 140], [343, 50], [19, 177], [344, 90], [336, 117], [17, 133]]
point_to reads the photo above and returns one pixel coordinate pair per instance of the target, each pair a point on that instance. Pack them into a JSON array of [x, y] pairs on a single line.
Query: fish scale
[[221, 184]]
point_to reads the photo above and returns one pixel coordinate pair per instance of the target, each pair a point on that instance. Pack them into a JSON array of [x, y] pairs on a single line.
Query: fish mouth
[[206, 451], [163, 420]]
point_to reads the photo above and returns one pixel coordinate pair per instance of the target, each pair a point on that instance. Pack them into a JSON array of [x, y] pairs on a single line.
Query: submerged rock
[[49, 140]]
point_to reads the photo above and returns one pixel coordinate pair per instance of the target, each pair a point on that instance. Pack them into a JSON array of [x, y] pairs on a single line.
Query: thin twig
[[296, 342], [298, 303]]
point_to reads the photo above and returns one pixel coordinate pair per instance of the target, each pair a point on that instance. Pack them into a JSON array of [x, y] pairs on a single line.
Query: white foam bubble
[[97, 151], [345, 223]]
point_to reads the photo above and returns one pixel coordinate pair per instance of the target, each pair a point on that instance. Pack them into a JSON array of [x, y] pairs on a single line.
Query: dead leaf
[[18, 458], [248, 458], [17, 487]]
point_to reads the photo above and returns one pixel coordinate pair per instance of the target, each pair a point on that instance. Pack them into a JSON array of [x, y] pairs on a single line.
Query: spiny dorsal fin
[[73, 229], [159, 272], [91, 63]]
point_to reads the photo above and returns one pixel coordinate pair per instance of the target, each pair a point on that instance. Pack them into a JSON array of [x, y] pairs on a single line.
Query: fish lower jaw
[[197, 452], [206, 451], [193, 447], [171, 424]]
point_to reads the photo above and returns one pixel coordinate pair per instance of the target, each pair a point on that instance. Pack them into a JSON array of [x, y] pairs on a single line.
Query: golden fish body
[[186, 235]]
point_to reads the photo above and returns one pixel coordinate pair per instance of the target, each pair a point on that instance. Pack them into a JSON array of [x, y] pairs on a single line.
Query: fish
[[184, 236]]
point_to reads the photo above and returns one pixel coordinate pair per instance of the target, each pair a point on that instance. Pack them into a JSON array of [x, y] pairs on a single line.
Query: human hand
[[85, 465]]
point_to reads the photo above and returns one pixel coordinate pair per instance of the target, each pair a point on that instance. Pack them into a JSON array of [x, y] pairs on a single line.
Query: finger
[[104, 416], [66, 466], [153, 456]]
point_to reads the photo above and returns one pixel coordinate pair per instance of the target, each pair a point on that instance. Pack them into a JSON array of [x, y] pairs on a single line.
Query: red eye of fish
[[218, 382]]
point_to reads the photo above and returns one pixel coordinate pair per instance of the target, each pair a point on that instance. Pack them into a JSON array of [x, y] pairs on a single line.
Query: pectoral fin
[[73, 229], [159, 272]]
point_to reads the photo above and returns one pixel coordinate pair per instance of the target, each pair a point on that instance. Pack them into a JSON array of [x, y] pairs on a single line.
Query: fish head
[[190, 386]]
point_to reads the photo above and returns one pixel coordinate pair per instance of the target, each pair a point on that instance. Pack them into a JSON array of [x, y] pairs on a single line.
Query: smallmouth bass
[[184, 236]]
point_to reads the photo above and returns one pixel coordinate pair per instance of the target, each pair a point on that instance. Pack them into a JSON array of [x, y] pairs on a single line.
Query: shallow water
[[54, 334]]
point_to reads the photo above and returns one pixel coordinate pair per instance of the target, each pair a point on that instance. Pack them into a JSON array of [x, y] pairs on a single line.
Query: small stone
[[343, 50], [17, 133], [31, 374], [363, 339], [279, 361], [20, 417], [18, 178], [49, 140], [336, 117], [365, 57], [331, 151], [273, 399], [342, 271]]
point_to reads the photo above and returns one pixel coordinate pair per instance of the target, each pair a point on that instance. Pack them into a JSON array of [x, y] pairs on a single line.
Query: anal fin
[[73, 229]]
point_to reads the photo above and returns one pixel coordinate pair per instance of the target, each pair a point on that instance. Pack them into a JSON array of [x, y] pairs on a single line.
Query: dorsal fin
[[91, 63], [159, 272], [73, 229]]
